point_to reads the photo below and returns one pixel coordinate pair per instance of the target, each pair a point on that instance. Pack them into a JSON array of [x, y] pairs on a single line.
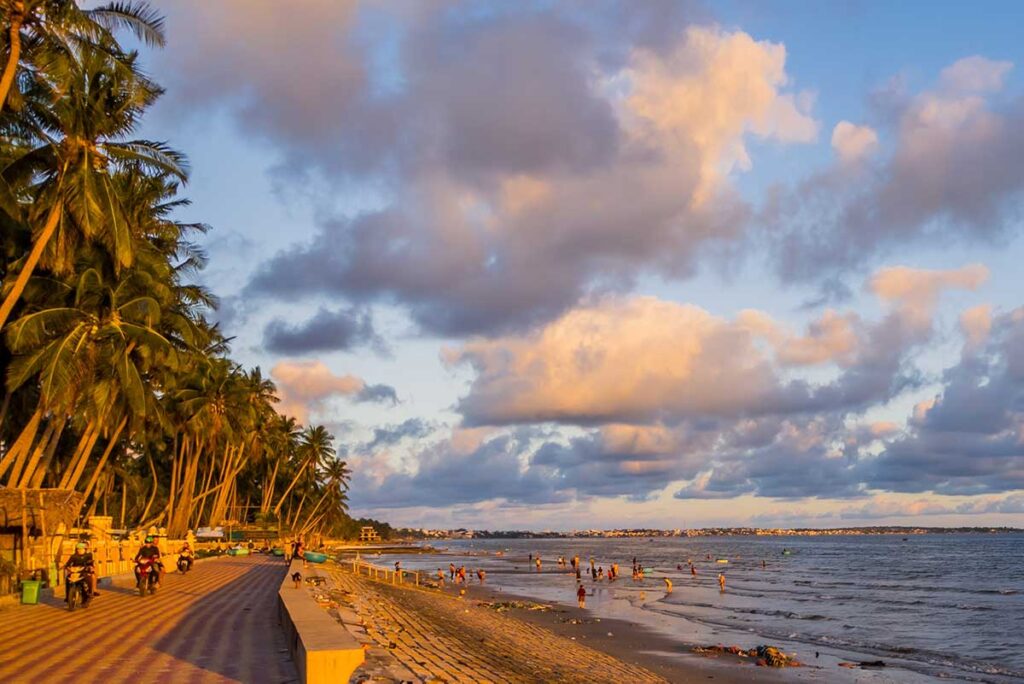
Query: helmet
[[80, 546], [149, 539]]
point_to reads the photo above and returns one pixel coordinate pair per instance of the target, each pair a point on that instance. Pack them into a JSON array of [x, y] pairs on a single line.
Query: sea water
[[937, 605]]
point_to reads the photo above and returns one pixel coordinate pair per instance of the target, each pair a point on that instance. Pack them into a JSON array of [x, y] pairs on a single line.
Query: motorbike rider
[[81, 558], [186, 554], [150, 550]]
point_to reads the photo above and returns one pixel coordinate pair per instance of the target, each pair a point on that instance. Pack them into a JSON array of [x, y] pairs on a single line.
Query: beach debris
[[315, 580], [864, 664], [504, 606], [767, 656]]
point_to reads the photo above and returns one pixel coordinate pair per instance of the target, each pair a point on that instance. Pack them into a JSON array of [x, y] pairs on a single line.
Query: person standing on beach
[[538, 563], [581, 596], [693, 570], [668, 585], [451, 571], [440, 577], [721, 582]]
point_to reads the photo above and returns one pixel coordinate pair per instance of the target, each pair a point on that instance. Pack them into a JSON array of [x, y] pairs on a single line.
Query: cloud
[[446, 477], [954, 174], [852, 142], [975, 74], [326, 330], [642, 359], [390, 435], [503, 199], [968, 439], [303, 386]]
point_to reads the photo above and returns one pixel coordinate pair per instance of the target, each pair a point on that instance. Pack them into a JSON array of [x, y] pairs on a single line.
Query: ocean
[[938, 606]]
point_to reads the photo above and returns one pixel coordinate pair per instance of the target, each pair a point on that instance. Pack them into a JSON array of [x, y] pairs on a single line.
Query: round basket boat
[[314, 556], [277, 551], [238, 551]]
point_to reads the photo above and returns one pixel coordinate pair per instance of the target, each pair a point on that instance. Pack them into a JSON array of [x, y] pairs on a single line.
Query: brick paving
[[218, 623], [440, 638]]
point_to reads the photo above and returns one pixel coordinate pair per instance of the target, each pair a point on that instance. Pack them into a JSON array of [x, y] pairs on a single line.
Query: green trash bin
[[30, 591]]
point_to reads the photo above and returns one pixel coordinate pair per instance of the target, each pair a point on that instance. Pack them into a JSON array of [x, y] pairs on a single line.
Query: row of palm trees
[[115, 382]]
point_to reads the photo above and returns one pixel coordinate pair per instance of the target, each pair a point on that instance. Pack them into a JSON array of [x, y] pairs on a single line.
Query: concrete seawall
[[323, 650]]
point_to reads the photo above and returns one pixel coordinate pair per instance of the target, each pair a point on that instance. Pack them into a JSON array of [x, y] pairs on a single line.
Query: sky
[[569, 265]]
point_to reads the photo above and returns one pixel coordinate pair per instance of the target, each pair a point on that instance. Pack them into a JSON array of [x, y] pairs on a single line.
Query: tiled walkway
[[218, 623]]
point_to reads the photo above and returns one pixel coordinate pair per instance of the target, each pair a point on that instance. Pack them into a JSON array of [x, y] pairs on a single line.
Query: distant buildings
[[463, 533]]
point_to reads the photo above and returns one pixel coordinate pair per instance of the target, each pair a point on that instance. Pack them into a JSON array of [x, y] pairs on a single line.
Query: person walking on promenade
[[581, 596]]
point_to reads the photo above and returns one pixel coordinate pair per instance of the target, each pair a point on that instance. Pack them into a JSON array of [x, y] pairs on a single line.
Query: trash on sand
[[767, 656], [503, 606], [863, 663]]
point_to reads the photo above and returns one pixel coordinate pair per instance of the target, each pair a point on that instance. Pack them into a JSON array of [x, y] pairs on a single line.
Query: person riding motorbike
[[151, 551], [81, 558], [186, 556]]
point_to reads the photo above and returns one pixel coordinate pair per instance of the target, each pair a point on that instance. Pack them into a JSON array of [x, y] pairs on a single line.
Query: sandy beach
[[432, 635]]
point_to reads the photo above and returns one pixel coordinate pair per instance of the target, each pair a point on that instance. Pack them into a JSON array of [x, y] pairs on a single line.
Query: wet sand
[[428, 634]]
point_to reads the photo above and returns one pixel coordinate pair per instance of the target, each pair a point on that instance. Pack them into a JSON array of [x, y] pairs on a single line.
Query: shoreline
[[669, 636]]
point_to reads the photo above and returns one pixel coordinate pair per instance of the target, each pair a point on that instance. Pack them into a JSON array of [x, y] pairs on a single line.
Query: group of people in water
[[456, 574]]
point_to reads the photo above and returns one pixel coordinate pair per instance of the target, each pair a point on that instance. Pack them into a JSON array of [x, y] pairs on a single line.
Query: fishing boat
[[314, 556]]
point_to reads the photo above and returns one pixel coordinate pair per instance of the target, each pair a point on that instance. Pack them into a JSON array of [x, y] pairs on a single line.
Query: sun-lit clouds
[[852, 142], [642, 359], [713, 89], [571, 173], [303, 386], [976, 324]]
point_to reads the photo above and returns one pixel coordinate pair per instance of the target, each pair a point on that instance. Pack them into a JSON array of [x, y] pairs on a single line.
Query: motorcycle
[[147, 576], [183, 564], [77, 579]]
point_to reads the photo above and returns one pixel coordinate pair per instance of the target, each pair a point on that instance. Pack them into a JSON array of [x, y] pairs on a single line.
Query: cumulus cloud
[[954, 173], [514, 191], [852, 142], [303, 386], [642, 359], [326, 330], [446, 477], [968, 439]]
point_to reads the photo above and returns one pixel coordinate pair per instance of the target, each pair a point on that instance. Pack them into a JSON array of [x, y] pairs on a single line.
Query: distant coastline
[[462, 533]]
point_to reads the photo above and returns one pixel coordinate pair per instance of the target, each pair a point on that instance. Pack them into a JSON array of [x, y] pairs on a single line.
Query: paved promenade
[[218, 623]]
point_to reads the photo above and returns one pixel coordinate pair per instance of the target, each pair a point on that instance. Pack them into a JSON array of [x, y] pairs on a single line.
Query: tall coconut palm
[[82, 143], [49, 26]]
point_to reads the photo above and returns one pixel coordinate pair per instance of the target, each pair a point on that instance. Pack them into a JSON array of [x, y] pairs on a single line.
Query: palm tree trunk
[[103, 459], [17, 17], [73, 476], [291, 485], [37, 454], [152, 496], [91, 428], [30, 264], [16, 455], [44, 466], [124, 502]]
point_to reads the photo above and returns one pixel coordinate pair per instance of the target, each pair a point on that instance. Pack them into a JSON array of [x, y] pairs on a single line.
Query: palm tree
[[81, 145], [62, 26]]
